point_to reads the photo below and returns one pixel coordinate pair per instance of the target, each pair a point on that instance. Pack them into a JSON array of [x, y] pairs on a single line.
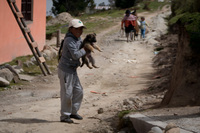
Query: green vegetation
[[52, 29], [123, 113], [21, 58], [157, 5], [191, 21], [33, 69], [11, 84], [125, 122], [71, 6], [153, 6], [101, 20], [124, 3], [187, 13]]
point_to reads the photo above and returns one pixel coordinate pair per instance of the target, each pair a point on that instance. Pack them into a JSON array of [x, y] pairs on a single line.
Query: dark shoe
[[67, 120], [78, 117]]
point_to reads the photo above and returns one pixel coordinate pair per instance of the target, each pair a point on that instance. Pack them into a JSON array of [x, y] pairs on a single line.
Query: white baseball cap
[[76, 23]]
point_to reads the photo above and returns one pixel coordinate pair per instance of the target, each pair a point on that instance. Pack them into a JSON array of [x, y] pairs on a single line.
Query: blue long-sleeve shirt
[[71, 53]]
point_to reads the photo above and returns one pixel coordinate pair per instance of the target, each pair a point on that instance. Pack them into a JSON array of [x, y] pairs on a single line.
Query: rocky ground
[[127, 70]]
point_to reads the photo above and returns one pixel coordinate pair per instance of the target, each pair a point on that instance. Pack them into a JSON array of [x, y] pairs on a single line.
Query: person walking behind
[[143, 26], [129, 21], [71, 91]]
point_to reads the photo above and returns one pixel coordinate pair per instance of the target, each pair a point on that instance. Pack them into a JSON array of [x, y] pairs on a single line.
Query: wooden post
[[58, 38]]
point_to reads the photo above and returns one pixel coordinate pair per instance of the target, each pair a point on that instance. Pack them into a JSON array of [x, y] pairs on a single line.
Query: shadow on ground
[[25, 121]]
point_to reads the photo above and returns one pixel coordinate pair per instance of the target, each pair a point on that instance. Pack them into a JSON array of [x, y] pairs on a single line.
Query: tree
[[91, 5], [112, 3], [74, 7], [125, 3], [102, 4]]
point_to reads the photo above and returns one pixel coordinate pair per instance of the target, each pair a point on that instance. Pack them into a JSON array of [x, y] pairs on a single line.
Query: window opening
[[27, 9]]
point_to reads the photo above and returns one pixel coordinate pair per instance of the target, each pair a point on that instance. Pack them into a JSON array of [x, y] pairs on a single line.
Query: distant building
[[12, 41], [102, 7], [89, 11]]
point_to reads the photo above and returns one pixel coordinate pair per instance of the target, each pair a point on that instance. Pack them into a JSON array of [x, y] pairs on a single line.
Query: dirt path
[[125, 70]]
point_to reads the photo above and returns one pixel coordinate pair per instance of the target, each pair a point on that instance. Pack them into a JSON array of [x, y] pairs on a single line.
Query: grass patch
[[109, 13], [21, 58], [53, 28], [157, 5], [33, 70], [123, 113], [11, 84], [153, 6]]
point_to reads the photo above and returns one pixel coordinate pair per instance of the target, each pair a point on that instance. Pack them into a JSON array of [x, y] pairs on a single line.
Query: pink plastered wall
[[12, 41]]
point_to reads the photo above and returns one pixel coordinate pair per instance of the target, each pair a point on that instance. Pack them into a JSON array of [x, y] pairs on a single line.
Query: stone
[[4, 82], [26, 77], [155, 130], [100, 110], [28, 63], [172, 128], [6, 74]]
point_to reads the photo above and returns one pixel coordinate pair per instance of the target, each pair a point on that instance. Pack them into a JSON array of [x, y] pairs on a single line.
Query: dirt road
[[125, 70]]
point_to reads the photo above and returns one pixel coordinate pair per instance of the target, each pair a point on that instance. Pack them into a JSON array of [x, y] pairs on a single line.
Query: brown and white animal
[[89, 46]]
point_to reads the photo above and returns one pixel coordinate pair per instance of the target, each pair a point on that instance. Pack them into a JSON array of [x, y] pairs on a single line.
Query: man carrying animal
[[129, 21], [71, 92]]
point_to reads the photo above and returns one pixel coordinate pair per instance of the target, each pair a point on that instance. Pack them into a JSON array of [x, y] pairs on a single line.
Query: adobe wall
[[12, 41]]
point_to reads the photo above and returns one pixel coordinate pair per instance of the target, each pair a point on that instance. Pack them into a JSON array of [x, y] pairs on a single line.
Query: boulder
[[4, 82], [172, 128], [5, 73], [62, 18], [49, 52]]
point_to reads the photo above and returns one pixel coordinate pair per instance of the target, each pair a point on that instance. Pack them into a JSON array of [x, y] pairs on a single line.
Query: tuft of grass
[[33, 69], [123, 113]]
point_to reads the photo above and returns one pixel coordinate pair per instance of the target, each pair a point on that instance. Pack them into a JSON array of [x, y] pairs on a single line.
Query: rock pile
[[62, 18], [7, 74], [10, 73]]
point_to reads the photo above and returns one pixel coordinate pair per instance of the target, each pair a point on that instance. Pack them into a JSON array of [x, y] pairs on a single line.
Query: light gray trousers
[[71, 93]]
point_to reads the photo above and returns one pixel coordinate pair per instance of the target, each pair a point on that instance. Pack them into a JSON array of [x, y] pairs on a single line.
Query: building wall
[[12, 41]]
